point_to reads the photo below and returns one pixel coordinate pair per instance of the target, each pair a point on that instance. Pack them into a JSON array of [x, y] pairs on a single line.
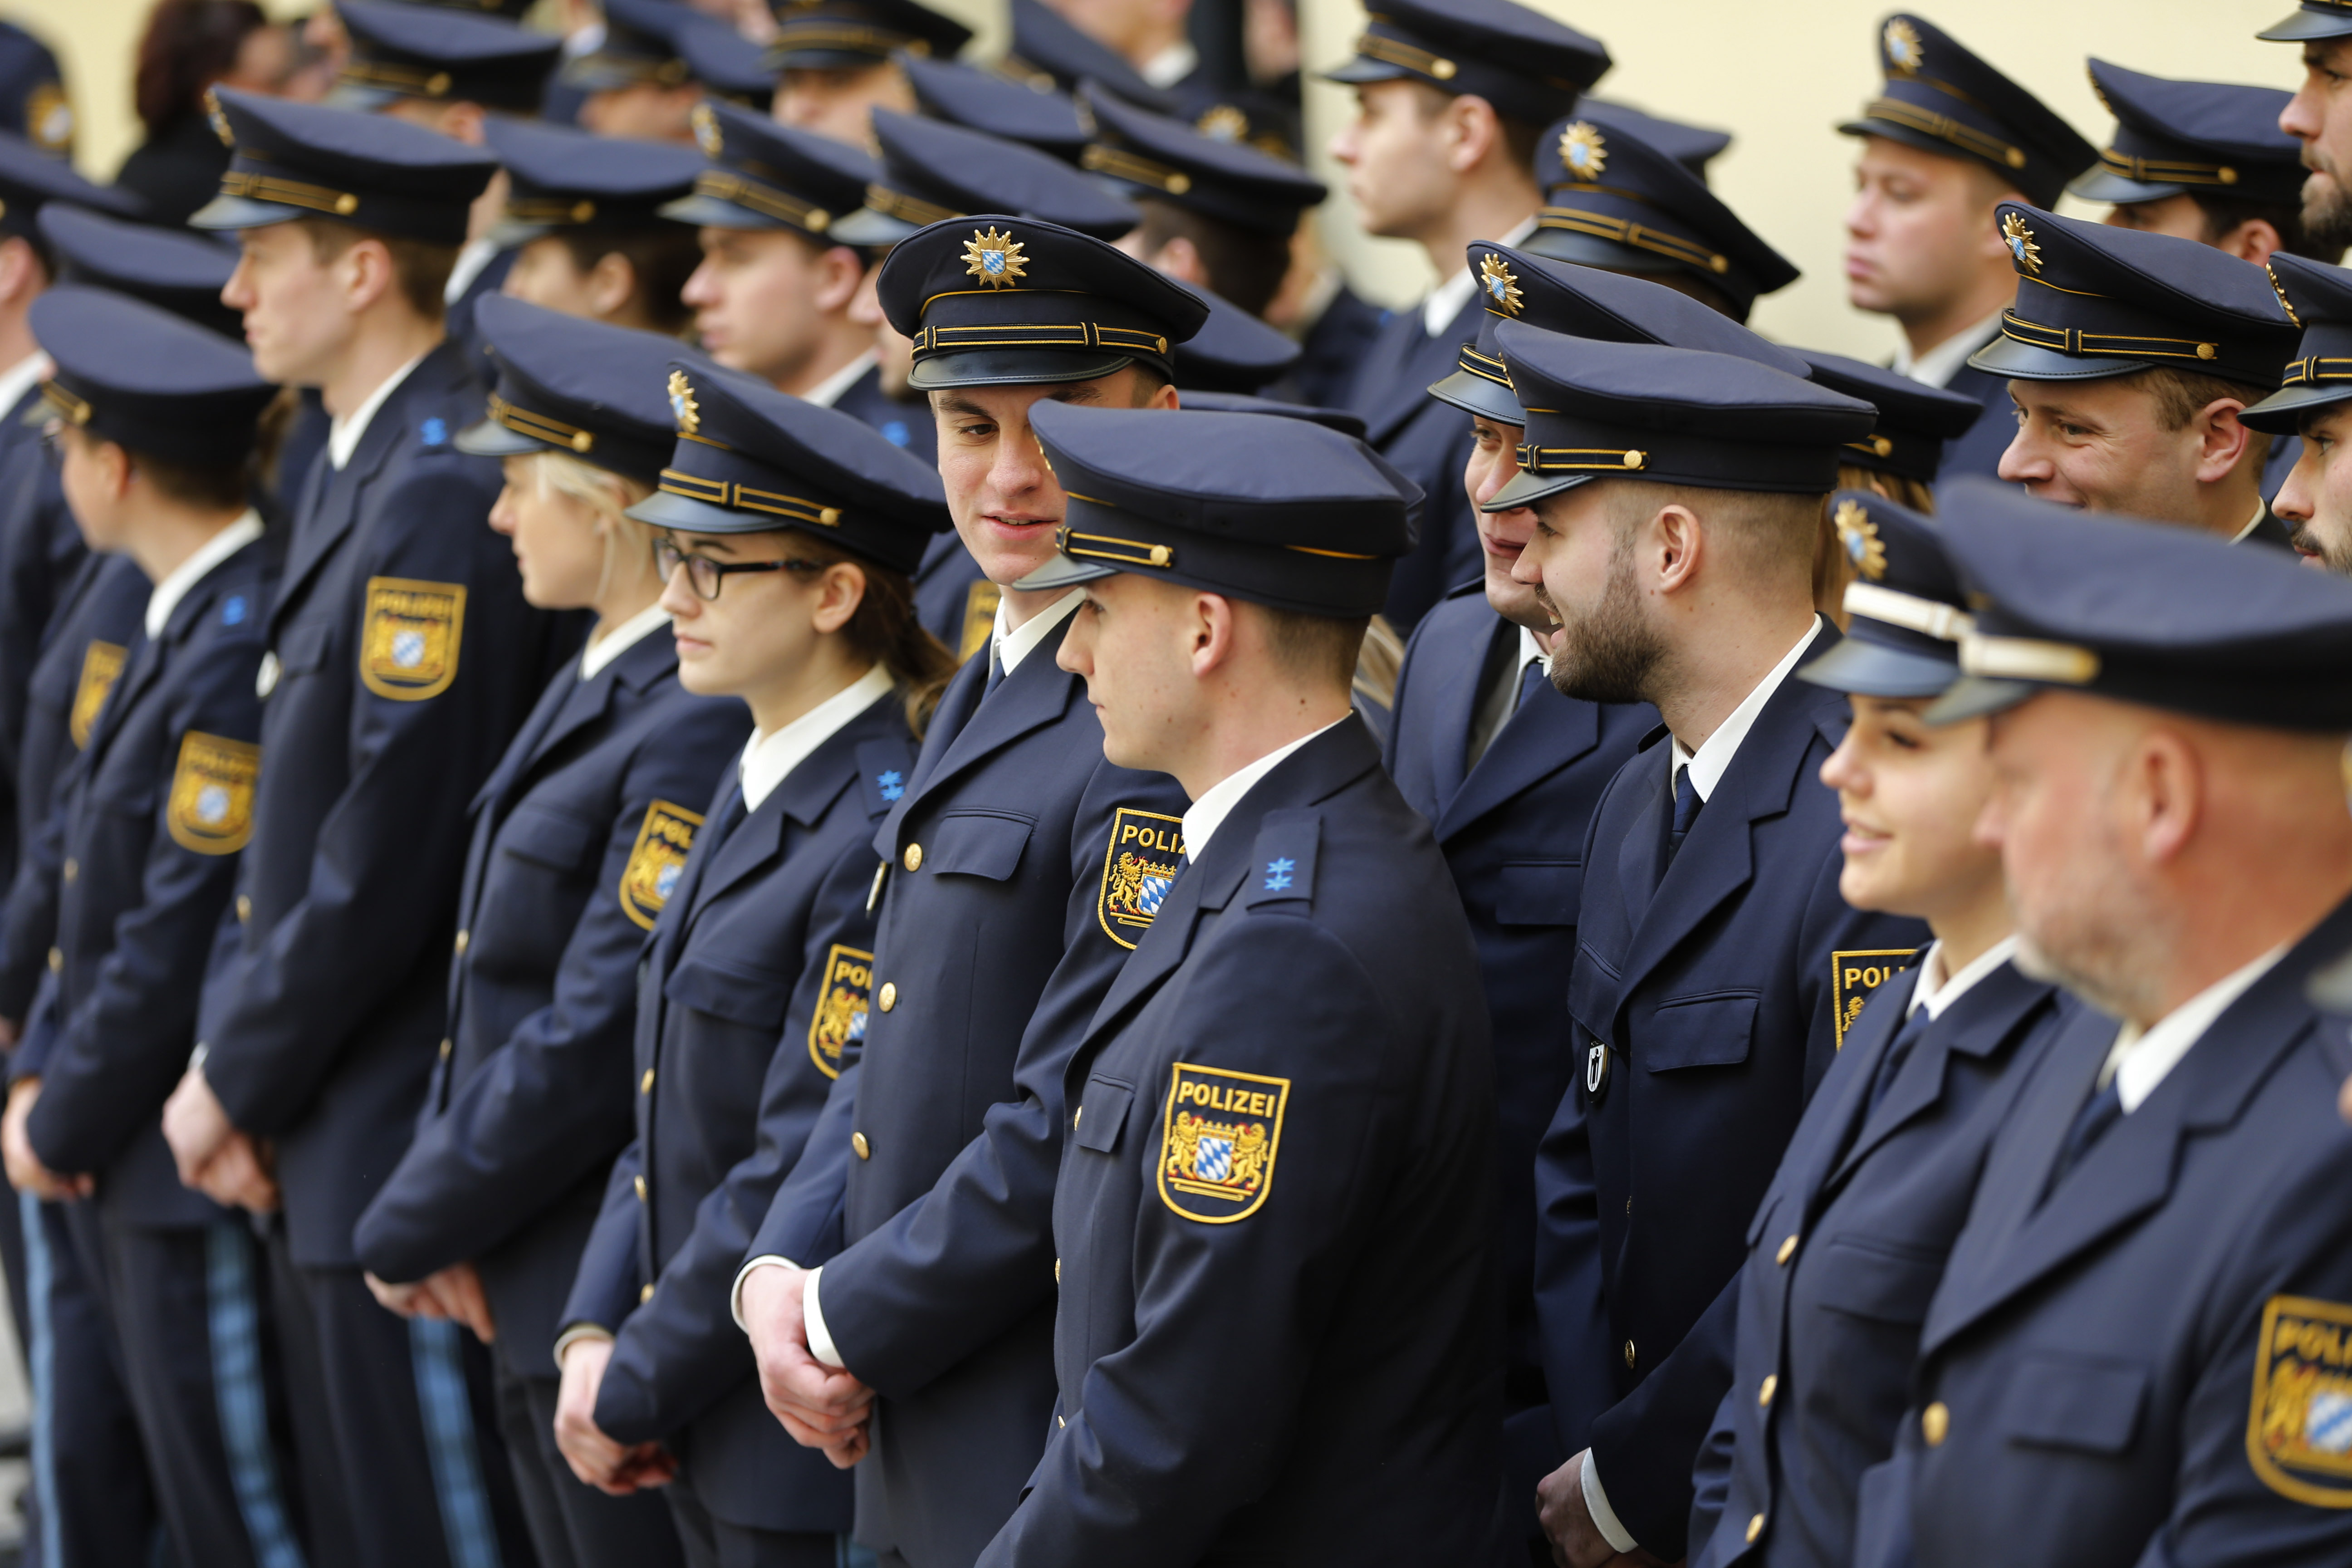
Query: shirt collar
[[1445, 302], [472, 257], [1170, 65], [2141, 1057], [1713, 758], [1217, 802], [167, 594], [21, 378], [769, 760], [621, 639], [1011, 646], [2253, 523], [1939, 365], [1532, 651], [828, 393], [343, 435], [1937, 991]]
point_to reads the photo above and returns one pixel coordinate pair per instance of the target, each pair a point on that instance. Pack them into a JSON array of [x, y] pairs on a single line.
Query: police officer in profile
[[2133, 1352], [1877, 1179], [1289, 1080], [835, 61], [2130, 356], [788, 534], [401, 655], [157, 430], [576, 839], [2318, 118], [1021, 871], [1946, 140], [583, 219], [1675, 494], [2314, 403]]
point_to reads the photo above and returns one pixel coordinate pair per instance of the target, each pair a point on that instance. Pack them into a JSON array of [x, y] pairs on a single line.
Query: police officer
[[1947, 139], [1021, 871], [33, 101], [583, 218], [2317, 119], [655, 62], [2131, 1354], [401, 656], [1877, 1178], [1495, 73], [836, 60], [2130, 356], [1717, 966], [789, 534], [2316, 501], [157, 430], [1307, 994], [485, 1218]]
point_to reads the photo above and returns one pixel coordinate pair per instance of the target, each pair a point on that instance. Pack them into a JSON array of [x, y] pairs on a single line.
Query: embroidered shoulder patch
[[658, 860], [1284, 869], [101, 663], [408, 647], [1855, 975], [211, 807], [979, 602], [2299, 1434], [1140, 865], [840, 1020], [1219, 1134]]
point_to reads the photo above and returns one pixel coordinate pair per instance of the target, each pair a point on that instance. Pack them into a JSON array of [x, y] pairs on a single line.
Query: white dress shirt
[[622, 638], [2141, 1057], [769, 758], [1713, 758], [175, 583], [1012, 646], [828, 393], [21, 378], [1170, 65], [472, 257], [1445, 302], [1939, 365], [1935, 991], [1217, 802], [343, 435]]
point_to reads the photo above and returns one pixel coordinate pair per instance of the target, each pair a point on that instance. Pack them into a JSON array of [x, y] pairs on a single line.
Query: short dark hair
[[1320, 648], [420, 268], [1245, 267], [2182, 395], [2223, 215], [660, 256]]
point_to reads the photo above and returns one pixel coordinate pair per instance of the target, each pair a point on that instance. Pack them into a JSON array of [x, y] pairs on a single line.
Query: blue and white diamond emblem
[[2327, 1422], [666, 879], [1215, 1161], [408, 649], [212, 805], [1153, 890]]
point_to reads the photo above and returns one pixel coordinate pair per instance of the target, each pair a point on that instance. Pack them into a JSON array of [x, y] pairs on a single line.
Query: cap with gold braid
[[1040, 117], [1939, 98], [2312, 21], [932, 170], [761, 175], [834, 34], [1530, 67], [182, 272], [1908, 611], [566, 383], [2191, 138], [30, 177], [1915, 419], [125, 371], [751, 459], [561, 179], [304, 160], [412, 51], [663, 44], [2318, 296], [1155, 157]]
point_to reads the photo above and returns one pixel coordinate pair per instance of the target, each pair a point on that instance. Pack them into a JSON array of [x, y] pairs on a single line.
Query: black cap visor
[[1919, 141], [2284, 411], [489, 438], [1590, 250], [2302, 26], [710, 211], [1870, 669], [1364, 69], [1525, 489], [867, 227], [663, 510], [235, 213], [2024, 362], [358, 96], [1014, 367], [1474, 394], [2104, 185], [1062, 571], [1978, 696]]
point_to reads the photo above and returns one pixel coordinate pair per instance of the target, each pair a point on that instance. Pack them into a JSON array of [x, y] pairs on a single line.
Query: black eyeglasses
[[705, 576]]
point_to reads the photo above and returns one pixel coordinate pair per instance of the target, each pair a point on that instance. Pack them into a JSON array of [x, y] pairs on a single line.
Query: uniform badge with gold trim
[[1583, 152], [1855, 975], [840, 1019], [101, 663], [1860, 537], [656, 861], [210, 809], [49, 118], [408, 646], [682, 406], [979, 602], [1904, 51], [1140, 865], [707, 135], [1219, 1137], [2019, 237], [994, 258], [1502, 287], [2299, 1433]]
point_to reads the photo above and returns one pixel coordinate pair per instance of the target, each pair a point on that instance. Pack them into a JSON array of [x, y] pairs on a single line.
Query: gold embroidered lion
[[1247, 1165]]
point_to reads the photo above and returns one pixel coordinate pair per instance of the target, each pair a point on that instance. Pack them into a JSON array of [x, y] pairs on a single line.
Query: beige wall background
[[1779, 78]]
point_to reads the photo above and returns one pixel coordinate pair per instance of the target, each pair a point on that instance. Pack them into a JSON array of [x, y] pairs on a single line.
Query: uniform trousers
[[712, 1542], [572, 1524]]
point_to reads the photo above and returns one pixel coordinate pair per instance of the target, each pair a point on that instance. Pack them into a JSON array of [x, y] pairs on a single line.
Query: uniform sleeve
[[1711, 1475], [805, 1222], [1645, 1441], [544, 1108], [605, 1284], [389, 854], [680, 1352], [30, 925], [1571, 1319], [122, 1050], [960, 1265], [1195, 1416]]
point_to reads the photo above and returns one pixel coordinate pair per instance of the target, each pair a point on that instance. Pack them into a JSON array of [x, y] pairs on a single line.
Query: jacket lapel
[[1459, 679], [803, 796], [1034, 695], [1547, 733], [1975, 1027], [1865, 1046], [1412, 360]]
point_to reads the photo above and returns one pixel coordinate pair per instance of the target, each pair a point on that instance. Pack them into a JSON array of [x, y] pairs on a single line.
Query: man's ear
[[1672, 548], [1180, 258], [22, 276], [1478, 131], [2256, 240], [611, 283], [840, 273], [2222, 439], [1212, 627], [365, 274]]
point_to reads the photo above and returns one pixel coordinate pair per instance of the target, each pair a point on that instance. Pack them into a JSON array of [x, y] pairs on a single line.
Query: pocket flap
[[1102, 1113], [304, 647], [2086, 1403], [1538, 892], [1591, 995], [549, 838], [1878, 1280], [974, 844], [757, 1001], [1700, 1032]]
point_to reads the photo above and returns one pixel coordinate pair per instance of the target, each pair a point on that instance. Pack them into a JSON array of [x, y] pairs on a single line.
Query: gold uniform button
[[463, 938], [1771, 1386], [446, 1049], [640, 1182], [56, 961], [1057, 1271], [1935, 1422], [860, 1147], [1074, 1115], [1059, 1422], [1629, 1352], [889, 997], [1788, 1250], [914, 858], [646, 1084], [645, 1293], [73, 867], [244, 909], [1755, 1529]]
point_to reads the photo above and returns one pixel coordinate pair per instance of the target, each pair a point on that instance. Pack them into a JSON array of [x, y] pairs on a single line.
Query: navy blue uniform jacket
[[1332, 350], [1037, 864], [1285, 1097], [156, 807], [1720, 1000], [2148, 1366], [405, 657], [1430, 442], [595, 802], [40, 551], [753, 996], [1512, 831], [1978, 449], [1875, 1200]]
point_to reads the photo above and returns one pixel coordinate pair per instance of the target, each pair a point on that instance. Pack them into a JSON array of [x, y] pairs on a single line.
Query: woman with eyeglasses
[[790, 536], [578, 838]]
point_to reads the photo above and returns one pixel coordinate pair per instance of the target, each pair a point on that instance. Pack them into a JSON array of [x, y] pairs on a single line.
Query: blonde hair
[[629, 543]]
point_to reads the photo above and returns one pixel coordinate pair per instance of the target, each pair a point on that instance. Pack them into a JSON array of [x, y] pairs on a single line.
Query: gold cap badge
[[1501, 286], [1860, 537], [1904, 53], [994, 258], [1224, 123], [706, 130], [2020, 238], [688, 412], [2284, 303], [219, 121], [1582, 152]]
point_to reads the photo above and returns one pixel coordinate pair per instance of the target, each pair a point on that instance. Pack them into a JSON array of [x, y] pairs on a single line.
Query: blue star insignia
[[1278, 874], [892, 783], [434, 432]]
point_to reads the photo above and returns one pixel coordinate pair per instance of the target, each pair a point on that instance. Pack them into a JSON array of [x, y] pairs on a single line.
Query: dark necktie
[[1686, 805], [1898, 1051], [995, 674], [2099, 1112], [1532, 680]]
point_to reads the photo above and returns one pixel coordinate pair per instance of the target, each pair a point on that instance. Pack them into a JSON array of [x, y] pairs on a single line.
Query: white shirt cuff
[[1604, 1518], [813, 1319], [573, 1335], [735, 1295]]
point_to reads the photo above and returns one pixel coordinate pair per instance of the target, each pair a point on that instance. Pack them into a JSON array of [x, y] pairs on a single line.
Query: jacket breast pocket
[[978, 844], [550, 838], [1882, 1282], [303, 649], [756, 1000], [1699, 1032], [2088, 1404], [1102, 1113], [1538, 892]]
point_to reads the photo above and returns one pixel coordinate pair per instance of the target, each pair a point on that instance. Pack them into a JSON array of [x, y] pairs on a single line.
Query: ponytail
[[884, 628]]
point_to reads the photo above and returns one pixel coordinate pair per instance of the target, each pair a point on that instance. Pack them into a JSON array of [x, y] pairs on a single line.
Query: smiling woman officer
[[577, 837], [791, 535]]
